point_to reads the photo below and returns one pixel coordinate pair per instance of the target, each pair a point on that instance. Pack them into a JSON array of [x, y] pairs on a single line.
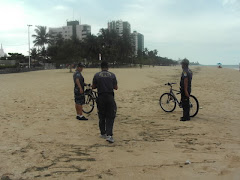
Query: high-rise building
[[83, 30], [127, 26], [74, 25], [135, 42], [72, 30], [137, 38], [2, 54], [138, 42], [119, 26]]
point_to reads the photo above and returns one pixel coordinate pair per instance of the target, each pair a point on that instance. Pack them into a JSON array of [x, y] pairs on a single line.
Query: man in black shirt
[[106, 82], [79, 91], [185, 87]]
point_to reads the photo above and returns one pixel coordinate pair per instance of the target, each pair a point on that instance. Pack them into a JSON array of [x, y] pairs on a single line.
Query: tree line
[[115, 49]]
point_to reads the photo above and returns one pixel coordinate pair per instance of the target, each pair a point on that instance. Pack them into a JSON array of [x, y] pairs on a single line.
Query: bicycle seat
[[169, 84]]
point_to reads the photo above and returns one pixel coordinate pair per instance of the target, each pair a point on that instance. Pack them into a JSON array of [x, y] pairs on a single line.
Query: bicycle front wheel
[[194, 106], [89, 104], [167, 102]]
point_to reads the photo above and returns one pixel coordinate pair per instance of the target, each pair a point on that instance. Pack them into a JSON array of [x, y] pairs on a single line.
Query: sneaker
[[83, 118], [103, 136], [110, 139], [183, 119]]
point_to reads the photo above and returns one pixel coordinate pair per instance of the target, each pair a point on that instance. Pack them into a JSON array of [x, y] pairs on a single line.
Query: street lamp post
[[29, 61]]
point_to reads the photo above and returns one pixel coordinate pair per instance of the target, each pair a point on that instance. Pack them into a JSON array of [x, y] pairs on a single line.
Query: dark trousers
[[106, 112], [186, 106]]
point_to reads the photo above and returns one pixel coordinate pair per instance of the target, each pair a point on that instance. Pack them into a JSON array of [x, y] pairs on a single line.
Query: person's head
[[80, 67], [185, 63], [104, 65]]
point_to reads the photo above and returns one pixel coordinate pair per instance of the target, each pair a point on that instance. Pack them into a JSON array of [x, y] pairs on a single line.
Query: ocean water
[[231, 66], [236, 67]]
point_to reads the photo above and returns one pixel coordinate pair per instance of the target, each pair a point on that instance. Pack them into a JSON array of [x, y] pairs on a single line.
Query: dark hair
[[185, 62], [104, 65]]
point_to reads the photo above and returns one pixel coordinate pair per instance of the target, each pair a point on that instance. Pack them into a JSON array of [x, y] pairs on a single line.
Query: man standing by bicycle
[[79, 91], [106, 82], [185, 87]]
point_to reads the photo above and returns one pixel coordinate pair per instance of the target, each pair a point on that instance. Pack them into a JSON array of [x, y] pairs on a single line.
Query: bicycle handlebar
[[169, 84], [89, 87]]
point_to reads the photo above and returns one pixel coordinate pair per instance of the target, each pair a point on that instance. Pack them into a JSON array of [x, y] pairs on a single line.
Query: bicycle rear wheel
[[167, 102], [194, 106], [89, 104]]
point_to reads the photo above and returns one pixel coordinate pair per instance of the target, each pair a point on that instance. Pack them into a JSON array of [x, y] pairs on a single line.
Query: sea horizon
[[236, 67]]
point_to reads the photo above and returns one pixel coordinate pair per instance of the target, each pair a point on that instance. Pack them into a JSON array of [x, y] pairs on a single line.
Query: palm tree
[[108, 41], [126, 48], [34, 53], [41, 36]]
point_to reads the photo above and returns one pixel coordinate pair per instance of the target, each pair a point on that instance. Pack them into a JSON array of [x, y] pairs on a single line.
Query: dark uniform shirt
[[78, 75], [105, 82], [187, 73]]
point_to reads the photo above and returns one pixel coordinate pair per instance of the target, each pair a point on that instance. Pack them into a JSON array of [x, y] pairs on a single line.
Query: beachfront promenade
[[41, 138]]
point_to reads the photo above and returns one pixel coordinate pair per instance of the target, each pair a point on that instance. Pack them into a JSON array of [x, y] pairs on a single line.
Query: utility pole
[[29, 61]]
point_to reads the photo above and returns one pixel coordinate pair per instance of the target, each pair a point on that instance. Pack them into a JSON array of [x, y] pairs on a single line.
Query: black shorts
[[79, 98]]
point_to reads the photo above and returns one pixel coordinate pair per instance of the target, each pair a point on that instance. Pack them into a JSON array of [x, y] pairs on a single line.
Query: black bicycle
[[168, 101], [90, 99]]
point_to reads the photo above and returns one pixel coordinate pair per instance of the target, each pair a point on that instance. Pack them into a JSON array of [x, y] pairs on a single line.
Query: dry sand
[[41, 139]]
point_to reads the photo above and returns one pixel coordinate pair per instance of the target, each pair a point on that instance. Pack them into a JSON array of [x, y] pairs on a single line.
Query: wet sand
[[41, 139]]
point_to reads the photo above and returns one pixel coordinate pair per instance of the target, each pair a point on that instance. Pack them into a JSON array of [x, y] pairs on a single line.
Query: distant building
[[127, 26], [72, 30], [137, 38], [2, 53], [135, 42], [119, 26], [138, 42]]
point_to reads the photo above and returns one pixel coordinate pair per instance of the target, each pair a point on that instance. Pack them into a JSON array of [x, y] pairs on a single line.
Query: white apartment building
[[72, 30], [82, 31], [65, 31]]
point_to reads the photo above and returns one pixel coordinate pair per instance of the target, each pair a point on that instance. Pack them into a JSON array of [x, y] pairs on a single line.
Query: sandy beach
[[41, 139]]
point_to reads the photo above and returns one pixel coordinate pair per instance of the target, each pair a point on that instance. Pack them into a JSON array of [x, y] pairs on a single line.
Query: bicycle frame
[[92, 93], [172, 93]]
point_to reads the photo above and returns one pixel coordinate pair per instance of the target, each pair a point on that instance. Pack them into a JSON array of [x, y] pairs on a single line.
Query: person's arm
[[115, 85], [79, 85], [186, 86], [94, 83]]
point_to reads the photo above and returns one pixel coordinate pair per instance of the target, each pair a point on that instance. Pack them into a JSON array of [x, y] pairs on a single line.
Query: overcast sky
[[207, 31]]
